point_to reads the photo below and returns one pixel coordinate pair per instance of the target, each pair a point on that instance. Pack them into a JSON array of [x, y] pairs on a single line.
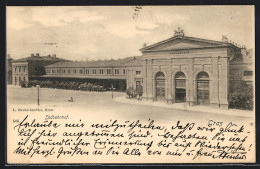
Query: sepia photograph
[[130, 84]]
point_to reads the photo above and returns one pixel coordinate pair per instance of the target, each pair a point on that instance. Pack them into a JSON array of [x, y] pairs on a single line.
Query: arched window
[[203, 76], [180, 87], [203, 88], [160, 86]]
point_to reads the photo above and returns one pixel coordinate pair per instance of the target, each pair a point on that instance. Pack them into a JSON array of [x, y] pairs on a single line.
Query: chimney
[[243, 52], [54, 55], [32, 55], [37, 54]]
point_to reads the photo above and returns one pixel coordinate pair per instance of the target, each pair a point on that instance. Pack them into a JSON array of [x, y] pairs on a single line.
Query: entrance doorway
[[138, 83], [160, 86], [203, 88], [180, 87]]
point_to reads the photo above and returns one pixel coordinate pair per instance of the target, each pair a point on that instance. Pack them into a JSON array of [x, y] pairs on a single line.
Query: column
[[190, 90], [214, 86], [127, 79], [144, 75], [168, 89], [132, 78], [224, 83], [150, 80]]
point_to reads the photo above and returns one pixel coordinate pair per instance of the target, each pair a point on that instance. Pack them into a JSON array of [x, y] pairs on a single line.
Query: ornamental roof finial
[[224, 39], [179, 32]]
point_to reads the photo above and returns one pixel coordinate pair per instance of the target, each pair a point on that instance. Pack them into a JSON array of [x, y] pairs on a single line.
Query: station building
[[179, 69], [192, 70]]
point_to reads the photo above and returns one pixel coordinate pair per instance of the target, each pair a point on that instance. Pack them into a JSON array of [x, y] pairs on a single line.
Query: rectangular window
[[94, 71], [80, 71], [138, 72], [19, 69], [53, 71], [24, 69], [108, 71], [101, 71], [248, 73], [87, 71], [63, 71], [15, 69], [234, 71], [69, 71], [74, 71], [124, 71], [58, 71], [48, 71], [116, 71]]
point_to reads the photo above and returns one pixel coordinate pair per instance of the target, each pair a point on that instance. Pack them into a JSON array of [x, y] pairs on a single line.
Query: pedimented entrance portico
[[194, 70]]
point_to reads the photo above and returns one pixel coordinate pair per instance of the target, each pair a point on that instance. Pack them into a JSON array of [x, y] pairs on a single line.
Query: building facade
[[105, 73], [191, 70], [9, 69], [31, 67]]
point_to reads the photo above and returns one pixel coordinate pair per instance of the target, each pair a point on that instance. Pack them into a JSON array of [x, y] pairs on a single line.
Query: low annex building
[[105, 72]]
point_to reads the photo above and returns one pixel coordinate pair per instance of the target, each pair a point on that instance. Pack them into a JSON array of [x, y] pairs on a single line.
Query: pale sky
[[77, 33]]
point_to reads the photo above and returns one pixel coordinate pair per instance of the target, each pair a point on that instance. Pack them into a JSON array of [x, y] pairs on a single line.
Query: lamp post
[[112, 87], [38, 90], [189, 96]]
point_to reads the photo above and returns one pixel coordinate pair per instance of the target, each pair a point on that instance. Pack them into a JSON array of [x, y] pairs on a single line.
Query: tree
[[131, 92], [23, 83], [241, 96]]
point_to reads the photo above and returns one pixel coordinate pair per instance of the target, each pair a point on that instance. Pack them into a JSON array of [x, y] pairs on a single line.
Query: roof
[[129, 61], [40, 58], [196, 43], [85, 76]]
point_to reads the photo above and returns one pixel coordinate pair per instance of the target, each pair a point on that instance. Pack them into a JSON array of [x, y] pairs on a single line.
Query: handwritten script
[[52, 138]]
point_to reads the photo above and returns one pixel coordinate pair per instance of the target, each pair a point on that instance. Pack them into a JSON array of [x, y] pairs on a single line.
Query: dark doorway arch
[[203, 88], [160, 86], [180, 87]]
